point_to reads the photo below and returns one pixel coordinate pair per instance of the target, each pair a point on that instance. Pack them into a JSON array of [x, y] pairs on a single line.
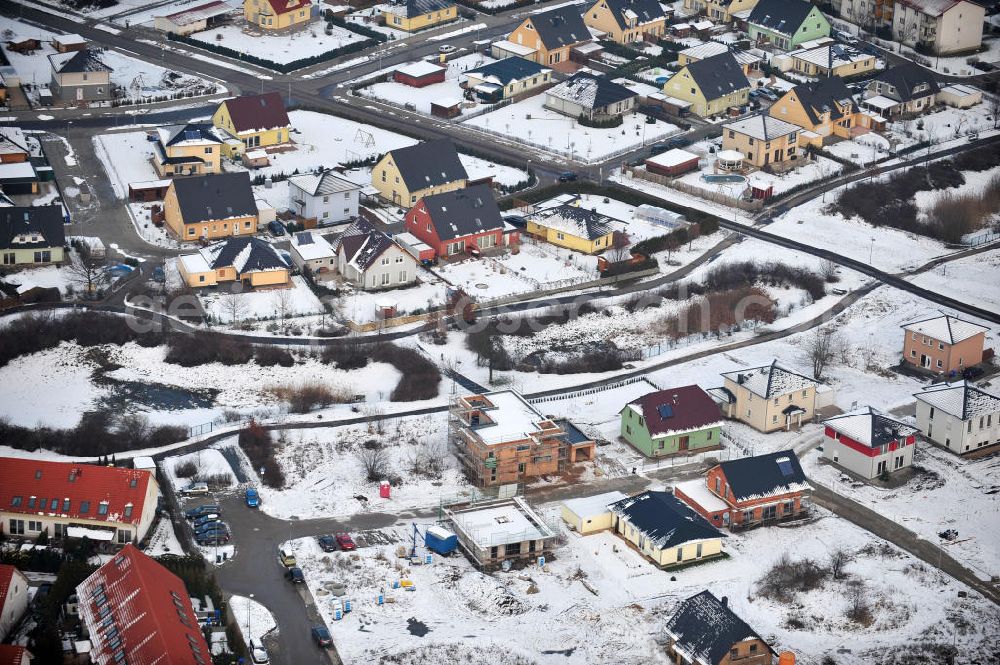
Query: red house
[[419, 74], [748, 492], [133, 607], [453, 223]]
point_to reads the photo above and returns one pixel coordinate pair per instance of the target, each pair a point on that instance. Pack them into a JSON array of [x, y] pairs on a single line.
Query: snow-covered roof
[[70, 39], [961, 90], [880, 102], [664, 519], [931, 7], [311, 246], [419, 68], [90, 533], [590, 506], [870, 427], [763, 127], [830, 55], [770, 380], [510, 416], [590, 91], [960, 399], [199, 13], [704, 629], [672, 157], [193, 263], [321, 184], [698, 491], [511, 47], [501, 523], [764, 476], [945, 328], [12, 170], [577, 221], [713, 48]]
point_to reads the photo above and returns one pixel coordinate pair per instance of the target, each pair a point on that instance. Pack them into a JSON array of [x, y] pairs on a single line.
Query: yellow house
[[252, 261], [627, 21], [824, 108], [277, 14], [832, 60], [191, 149], [711, 85], [406, 175], [551, 35], [767, 398], [704, 50], [211, 206], [720, 10], [590, 514], [574, 227], [419, 14], [252, 121], [763, 140], [31, 236], [665, 530]]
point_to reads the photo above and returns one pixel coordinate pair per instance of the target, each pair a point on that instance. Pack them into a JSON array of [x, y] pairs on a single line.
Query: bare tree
[[617, 254], [234, 305], [821, 346], [839, 559], [828, 269], [374, 461], [90, 275], [994, 107], [282, 300], [428, 458]]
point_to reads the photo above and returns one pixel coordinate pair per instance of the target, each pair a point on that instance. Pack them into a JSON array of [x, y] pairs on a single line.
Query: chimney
[[725, 601]]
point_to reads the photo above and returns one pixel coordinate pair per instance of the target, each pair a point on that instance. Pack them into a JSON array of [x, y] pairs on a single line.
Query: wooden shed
[[672, 162], [148, 190], [67, 43], [447, 108], [419, 74]]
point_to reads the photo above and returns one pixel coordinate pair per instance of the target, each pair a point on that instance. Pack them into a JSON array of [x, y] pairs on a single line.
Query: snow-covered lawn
[[164, 540], [208, 463], [364, 306], [60, 277], [261, 621], [529, 122], [125, 157], [421, 98], [297, 300], [975, 280], [559, 619], [947, 492], [367, 17], [944, 124], [50, 388], [862, 150], [326, 476], [280, 48]]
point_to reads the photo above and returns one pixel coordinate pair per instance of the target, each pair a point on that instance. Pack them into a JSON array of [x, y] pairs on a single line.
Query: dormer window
[[102, 509]]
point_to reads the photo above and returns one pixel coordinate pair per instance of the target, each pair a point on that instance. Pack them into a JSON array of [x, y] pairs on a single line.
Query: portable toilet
[[440, 540], [384, 489]]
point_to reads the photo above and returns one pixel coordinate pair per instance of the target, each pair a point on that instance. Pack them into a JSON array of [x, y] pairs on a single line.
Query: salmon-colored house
[[944, 344]]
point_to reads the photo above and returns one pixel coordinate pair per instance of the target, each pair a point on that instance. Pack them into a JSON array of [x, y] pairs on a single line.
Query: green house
[[786, 23], [672, 421]]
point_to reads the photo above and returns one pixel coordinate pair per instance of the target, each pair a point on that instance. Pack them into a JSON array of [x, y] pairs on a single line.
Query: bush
[[308, 396], [607, 123], [589, 361], [258, 446], [97, 433], [787, 577], [352, 355], [741, 274], [269, 356], [185, 469], [420, 377], [201, 349]]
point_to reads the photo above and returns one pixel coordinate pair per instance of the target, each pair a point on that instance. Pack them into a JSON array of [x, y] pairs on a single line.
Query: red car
[[345, 542]]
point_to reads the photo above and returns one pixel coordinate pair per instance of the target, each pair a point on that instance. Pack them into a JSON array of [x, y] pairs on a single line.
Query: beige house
[[768, 398], [80, 77], [763, 140], [720, 10], [590, 514], [31, 236], [712, 85], [253, 262], [405, 175], [941, 27], [191, 149], [74, 500], [211, 206], [664, 529], [627, 21]]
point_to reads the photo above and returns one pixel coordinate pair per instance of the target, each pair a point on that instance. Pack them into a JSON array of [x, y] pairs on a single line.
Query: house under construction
[[501, 438]]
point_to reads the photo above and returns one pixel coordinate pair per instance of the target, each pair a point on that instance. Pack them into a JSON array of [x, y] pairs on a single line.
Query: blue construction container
[[440, 540]]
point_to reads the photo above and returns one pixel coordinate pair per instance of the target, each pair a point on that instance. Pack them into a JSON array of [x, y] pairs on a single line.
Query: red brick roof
[[6, 575], [285, 6], [251, 113], [134, 605], [24, 483], [680, 409], [11, 655]]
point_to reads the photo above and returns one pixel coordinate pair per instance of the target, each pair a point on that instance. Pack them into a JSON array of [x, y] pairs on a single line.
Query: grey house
[[80, 76]]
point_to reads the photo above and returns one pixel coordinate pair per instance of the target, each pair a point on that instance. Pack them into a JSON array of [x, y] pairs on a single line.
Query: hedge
[[614, 121], [285, 68], [355, 27], [493, 11]]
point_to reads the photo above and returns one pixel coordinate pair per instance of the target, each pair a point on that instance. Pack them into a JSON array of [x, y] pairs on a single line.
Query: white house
[[959, 416], [371, 260], [311, 250], [324, 197], [868, 442], [13, 597], [940, 26]]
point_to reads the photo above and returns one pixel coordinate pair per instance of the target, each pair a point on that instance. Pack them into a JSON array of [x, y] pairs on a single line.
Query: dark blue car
[[252, 498]]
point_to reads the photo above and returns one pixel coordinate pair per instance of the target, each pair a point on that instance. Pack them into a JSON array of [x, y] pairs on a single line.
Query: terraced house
[[70, 500], [667, 422], [711, 86], [277, 14], [786, 23], [627, 21]]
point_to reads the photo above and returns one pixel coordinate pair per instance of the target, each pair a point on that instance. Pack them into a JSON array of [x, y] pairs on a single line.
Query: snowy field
[[208, 463], [363, 306], [529, 122], [975, 280], [280, 48], [421, 98], [259, 305], [559, 619]]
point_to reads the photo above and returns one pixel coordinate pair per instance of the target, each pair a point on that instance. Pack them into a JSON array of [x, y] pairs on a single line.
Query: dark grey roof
[[210, 197], [85, 60], [645, 10], [193, 131], [508, 70], [706, 628], [718, 76], [820, 96], [561, 26], [464, 212], [419, 7], [905, 78], [765, 475], [576, 220], [429, 164], [246, 255], [46, 221], [664, 519], [784, 16], [362, 243], [590, 91]]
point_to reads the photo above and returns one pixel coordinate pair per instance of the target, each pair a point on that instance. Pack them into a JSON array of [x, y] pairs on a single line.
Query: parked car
[[211, 526], [345, 541], [205, 519], [567, 176], [252, 497], [516, 220], [427, 263], [286, 556], [202, 510], [276, 227], [295, 576], [446, 48], [196, 488], [213, 539], [158, 274], [258, 654], [321, 636], [327, 543], [845, 37], [767, 92]]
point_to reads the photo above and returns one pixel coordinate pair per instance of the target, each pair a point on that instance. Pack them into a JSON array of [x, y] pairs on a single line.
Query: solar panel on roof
[[665, 411], [785, 465]]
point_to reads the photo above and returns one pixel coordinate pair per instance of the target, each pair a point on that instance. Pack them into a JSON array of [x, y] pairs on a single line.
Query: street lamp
[[871, 251], [249, 600]]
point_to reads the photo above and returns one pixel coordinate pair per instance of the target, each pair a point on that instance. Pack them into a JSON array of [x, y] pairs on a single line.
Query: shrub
[[96, 434], [258, 446], [308, 396], [352, 355], [185, 469], [269, 356], [420, 377], [607, 123], [747, 273], [201, 349], [36, 332], [787, 577]]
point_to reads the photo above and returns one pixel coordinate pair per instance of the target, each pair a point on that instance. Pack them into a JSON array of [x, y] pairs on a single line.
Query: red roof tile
[[677, 410], [6, 575], [24, 483], [251, 113], [285, 6], [11, 655], [134, 605]]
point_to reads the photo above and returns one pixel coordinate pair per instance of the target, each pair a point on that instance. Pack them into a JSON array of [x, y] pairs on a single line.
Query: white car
[[196, 488], [258, 654], [446, 48]]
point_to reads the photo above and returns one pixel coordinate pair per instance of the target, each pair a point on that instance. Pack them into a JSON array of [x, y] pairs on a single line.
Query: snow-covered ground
[[363, 306], [298, 300], [598, 601], [529, 122], [820, 168], [164, 540], [253, 619], [421, 98], [208, 463], [281, 47], [975, 280]]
